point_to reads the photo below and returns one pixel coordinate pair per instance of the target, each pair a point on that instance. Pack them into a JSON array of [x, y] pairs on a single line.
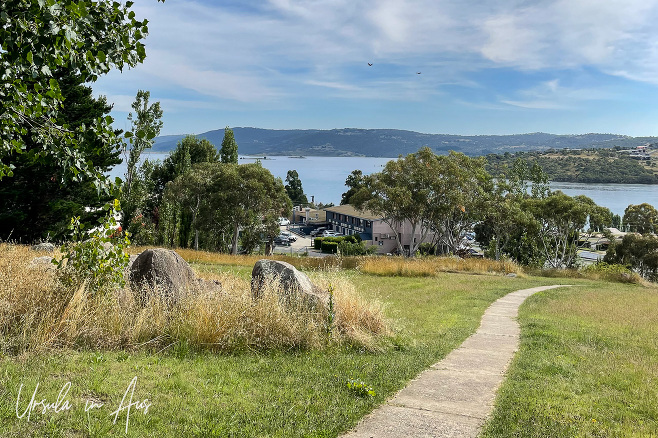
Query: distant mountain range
[[393, 142]]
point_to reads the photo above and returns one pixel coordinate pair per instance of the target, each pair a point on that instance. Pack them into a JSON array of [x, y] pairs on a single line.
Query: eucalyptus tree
[[402, 193], [561, 218], [432, 194], [642, 218], [460, 190], [354, 181], [225, 200]]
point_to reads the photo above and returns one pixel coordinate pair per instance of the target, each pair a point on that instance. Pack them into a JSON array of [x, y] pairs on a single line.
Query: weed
[[360, 388]]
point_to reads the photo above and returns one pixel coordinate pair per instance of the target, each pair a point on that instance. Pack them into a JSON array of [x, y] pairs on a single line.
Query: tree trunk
[[236, 234]]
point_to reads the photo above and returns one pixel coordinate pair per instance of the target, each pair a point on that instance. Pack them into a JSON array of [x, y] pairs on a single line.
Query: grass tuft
[[430, 266], [37, 313]]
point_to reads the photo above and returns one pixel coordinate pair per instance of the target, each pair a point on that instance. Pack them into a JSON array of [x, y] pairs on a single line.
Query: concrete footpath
[[454, 396]]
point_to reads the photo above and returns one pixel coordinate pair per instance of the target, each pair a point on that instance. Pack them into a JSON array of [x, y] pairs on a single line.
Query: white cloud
[[264, 52]]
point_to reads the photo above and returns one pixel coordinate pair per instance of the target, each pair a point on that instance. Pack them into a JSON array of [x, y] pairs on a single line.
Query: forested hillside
[[394, 142], [589, 166]]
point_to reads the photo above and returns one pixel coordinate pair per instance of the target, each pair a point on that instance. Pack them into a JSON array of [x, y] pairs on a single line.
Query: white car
[[288, 235], [283, 221], [329, 233]]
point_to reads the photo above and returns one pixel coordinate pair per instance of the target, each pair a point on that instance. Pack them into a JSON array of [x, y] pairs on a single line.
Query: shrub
[[96, 257], [611, 272], [348, 248], [329, 247]]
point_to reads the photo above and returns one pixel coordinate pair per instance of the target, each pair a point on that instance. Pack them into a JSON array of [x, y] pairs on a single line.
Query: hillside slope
[[394, 142]]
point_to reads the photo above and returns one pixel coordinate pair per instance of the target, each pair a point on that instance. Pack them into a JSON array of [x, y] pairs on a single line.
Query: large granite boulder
[[164, 272], [294, 287]]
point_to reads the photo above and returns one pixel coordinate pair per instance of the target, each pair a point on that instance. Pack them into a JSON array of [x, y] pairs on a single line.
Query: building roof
[[349, 210]]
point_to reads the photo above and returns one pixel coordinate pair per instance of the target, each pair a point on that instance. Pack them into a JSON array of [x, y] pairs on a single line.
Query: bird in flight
[[369, 64], [417, 72]]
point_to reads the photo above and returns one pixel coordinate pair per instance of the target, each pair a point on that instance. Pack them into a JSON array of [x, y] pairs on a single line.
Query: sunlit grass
[[588, 365], [37, 313], [430, 266]]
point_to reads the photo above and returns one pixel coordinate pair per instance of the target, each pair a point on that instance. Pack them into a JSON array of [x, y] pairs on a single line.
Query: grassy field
[[587, 366], [302, 390]]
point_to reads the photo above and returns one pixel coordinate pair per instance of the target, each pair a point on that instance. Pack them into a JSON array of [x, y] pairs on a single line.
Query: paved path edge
[[455, 396]]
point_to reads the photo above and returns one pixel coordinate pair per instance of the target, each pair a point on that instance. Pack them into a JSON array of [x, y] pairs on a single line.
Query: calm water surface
[[324, 179]]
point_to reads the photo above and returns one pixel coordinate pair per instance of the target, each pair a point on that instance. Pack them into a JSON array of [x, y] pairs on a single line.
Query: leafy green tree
[[36, 39], [145, 126], [509, 227], [401, 193], [640, 253], [190, 192], [294, 188], [35, 203], [560, 218], [429, 193], [355, 181], [460, 187], [227, 199], [176, 220], [229, 151], [642, 218]]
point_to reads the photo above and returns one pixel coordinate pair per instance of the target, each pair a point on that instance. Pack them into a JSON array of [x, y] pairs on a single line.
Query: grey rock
[[293, 286], [45, 247], [511, 275], [164, 272]]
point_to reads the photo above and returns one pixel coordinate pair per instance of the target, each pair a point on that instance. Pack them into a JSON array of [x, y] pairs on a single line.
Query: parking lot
[[302, 245]]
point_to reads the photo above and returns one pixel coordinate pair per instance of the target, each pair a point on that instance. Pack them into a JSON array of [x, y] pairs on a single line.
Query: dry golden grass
[[430, 266], [215, 258], [36, 313]]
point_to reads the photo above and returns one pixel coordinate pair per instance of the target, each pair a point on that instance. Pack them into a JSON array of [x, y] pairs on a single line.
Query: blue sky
[[487, 66]]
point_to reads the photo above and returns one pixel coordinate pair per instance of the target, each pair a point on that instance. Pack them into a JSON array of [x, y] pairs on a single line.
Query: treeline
[[603, 166], [199, 198]]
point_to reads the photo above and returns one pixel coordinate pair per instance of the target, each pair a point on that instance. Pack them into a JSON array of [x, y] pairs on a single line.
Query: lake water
[[323, 178]]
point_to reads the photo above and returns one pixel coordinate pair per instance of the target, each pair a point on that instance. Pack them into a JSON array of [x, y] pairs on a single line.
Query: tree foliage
[[355, 181], [229, 151], [35, 203], [640, 253], [36, 39], [294, 188], [642, 218], [228, 201], [145, 126], [429, 193]]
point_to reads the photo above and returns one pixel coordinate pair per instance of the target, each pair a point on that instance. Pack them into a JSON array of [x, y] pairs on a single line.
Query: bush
[[329, 247], [611, 272], [95, 257], [317, 242], [347, 248]]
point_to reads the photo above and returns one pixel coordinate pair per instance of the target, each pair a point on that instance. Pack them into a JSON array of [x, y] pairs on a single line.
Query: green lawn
[[588, 366], [283, 394]]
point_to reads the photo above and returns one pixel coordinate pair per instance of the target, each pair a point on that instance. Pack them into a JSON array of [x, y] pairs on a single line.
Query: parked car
[[288, 235], [283, 221], [282, 240], [317, 231], [328, 233]]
